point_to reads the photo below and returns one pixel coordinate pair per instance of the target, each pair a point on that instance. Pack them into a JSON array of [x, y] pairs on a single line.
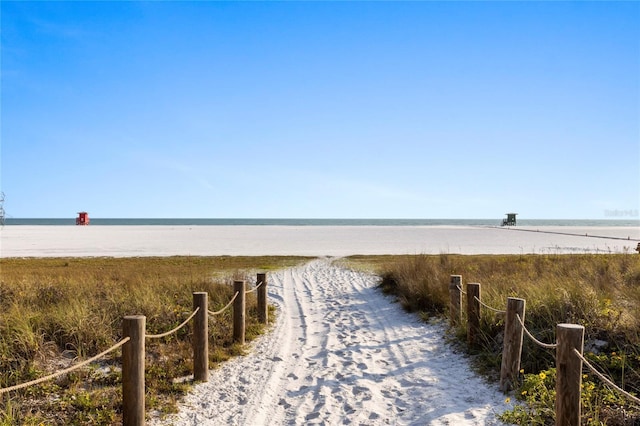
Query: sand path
[[340, 352]]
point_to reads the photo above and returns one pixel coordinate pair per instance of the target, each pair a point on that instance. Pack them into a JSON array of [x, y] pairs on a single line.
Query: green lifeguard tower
[[510, 220]]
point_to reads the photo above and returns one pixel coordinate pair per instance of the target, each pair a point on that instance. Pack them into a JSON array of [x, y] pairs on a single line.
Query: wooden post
[[263, 312], [455, 300], [201, 337], [133, 409], [473, 313], [238, 312], [512, 345], [569, 374]]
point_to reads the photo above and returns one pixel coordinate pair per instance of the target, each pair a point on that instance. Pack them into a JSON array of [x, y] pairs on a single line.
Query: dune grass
[[601, 292], [54, 312]]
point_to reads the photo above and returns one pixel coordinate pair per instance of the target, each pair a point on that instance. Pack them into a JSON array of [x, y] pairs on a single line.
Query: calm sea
[[326, 222]]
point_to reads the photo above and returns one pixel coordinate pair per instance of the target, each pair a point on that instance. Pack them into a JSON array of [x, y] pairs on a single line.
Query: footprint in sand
[[284, 403], [312, 416]]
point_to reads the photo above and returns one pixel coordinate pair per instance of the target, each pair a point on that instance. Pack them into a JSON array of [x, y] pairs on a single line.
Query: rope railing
[[606, 379], [254, 289], [536, 341], [161, 335], [133, 354], [66, 370], [499, 311], [226, 307], [569, 337]]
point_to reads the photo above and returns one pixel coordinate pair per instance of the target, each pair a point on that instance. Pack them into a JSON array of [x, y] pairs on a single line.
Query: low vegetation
[[601, 292], [55, 312]]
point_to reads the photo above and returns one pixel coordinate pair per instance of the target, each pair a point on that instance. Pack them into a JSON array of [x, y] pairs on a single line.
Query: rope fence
[[254, 289], [536, 341], [498, 311], [159, 336], [66, 370], [226, 307], [133, 347], [606, 379], [568, 347]]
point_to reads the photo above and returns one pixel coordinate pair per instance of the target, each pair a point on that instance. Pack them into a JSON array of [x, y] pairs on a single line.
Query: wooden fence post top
[[134, 317], [199, 292], [570, 326], [515, 298]]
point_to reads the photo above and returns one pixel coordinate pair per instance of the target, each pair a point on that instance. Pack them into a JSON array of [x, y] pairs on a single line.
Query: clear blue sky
[[320, 109]]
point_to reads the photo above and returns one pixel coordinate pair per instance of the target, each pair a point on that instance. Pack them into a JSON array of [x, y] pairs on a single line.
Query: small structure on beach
[[510, 220], [82, 219]]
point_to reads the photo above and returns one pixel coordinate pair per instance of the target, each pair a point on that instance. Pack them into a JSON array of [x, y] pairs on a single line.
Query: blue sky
[[320, 109]]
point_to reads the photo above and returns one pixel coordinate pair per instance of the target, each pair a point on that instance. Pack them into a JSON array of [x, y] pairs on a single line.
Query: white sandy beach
[[124, 241]]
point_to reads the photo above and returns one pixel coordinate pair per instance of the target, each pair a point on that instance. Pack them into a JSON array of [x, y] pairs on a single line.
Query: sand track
[[342, 353]]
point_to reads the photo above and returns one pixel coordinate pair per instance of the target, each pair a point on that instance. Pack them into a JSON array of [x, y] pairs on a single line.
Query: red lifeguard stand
[[82, 219]]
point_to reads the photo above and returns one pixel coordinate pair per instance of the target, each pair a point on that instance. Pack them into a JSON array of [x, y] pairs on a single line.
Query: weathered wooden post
[[512, 345], [201, 337], [473, 313], [569, 374], [263, 312], [133, 327], [238, 312], [455, 300]]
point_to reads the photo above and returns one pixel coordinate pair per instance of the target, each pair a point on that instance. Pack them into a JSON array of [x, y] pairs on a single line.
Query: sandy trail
[[340, 352]]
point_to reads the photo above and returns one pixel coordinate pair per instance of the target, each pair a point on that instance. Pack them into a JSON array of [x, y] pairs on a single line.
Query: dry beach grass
[[56, 310]]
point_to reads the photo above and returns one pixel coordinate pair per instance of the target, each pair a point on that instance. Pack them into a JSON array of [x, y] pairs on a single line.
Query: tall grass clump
[[417, 282], [55, 312], [599, 291]]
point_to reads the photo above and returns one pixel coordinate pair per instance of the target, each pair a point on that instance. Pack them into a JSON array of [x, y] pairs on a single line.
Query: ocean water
[[323, 222]]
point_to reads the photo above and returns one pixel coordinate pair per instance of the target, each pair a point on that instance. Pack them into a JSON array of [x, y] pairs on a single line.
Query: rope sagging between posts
[[499, 311], [606, 379], [158, 336], [536, 341], [66, 370], [254, 289], [461, 290], [226, 307]]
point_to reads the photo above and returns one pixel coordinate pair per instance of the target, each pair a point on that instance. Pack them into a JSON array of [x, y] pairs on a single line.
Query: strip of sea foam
[[126, 241]]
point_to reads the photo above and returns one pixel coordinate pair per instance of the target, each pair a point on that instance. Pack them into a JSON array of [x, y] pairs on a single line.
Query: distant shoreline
[[316, 222]]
